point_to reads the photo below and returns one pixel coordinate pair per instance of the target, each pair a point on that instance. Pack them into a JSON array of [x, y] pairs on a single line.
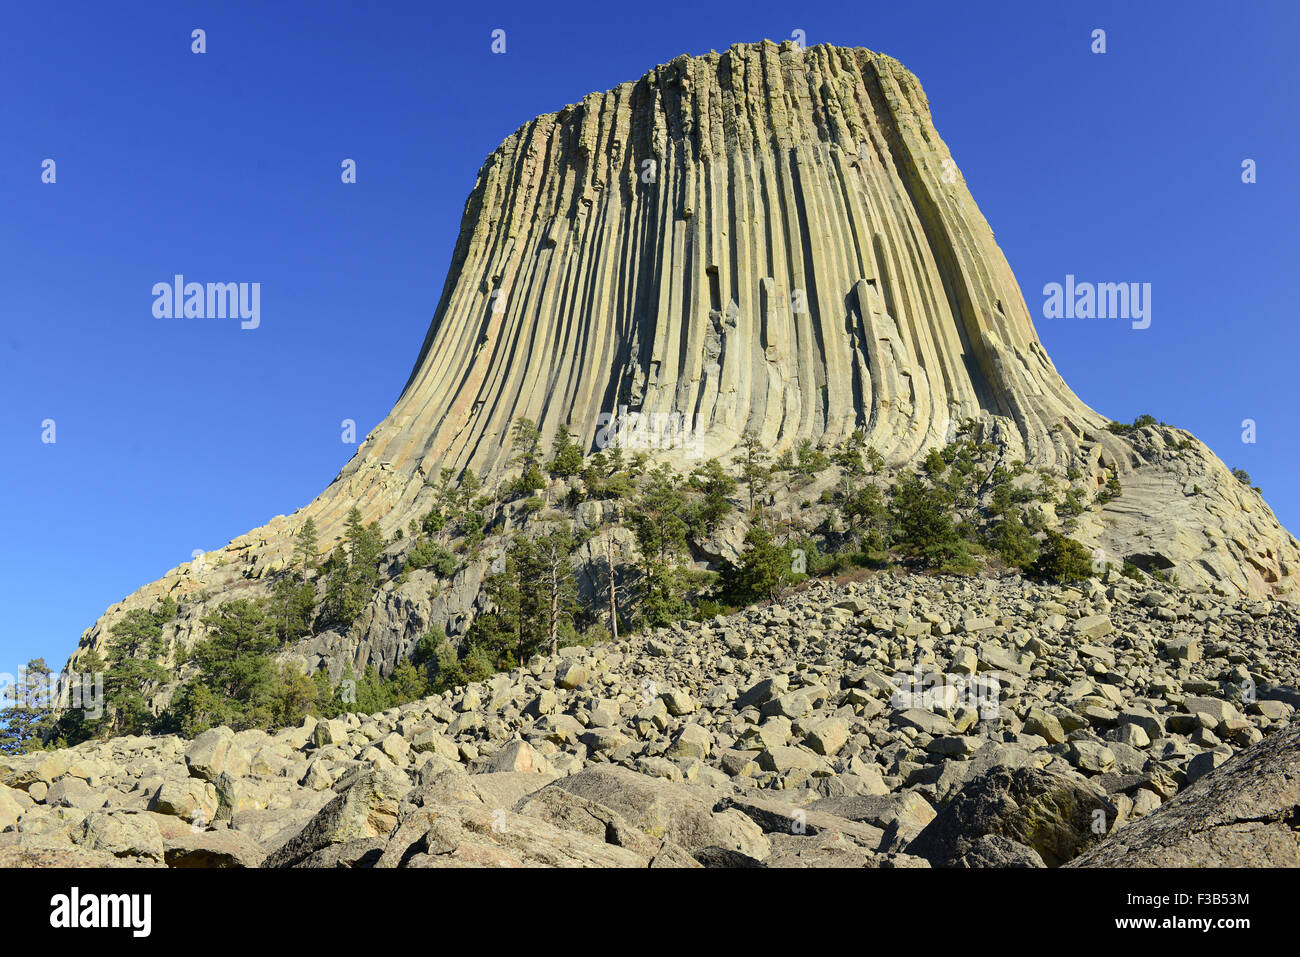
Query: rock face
[[874, 724], [770, 239], [1245, 813]]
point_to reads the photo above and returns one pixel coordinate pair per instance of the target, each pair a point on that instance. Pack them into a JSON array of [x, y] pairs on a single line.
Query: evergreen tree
[[1013, 539], [407, 683], [810, 458], [325, 703], [660, 526], [753, 466], [497, 632], [716, 486], [659, 519], [866, 518], [849, 456], [295, 696], [352, 576], [546, 578], [526, 442], [925, 524], [1062, 560], [29, 717], [761, 571], [293, 601], [566, 455], [236, 680], [74, 725], [304, 548], [133, 666]]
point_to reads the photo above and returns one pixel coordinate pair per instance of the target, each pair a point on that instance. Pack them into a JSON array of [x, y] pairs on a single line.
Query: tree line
[[959, 511]]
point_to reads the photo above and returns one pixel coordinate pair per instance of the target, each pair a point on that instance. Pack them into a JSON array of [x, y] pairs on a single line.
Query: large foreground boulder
[[1016, 817], [1245, 813], [366, 809], [663, 810]]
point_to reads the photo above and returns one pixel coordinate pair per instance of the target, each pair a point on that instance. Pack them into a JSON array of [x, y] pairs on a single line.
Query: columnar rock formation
[[770, 239]]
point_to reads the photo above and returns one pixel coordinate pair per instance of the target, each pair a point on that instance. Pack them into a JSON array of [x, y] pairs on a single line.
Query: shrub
[[1062, 560]]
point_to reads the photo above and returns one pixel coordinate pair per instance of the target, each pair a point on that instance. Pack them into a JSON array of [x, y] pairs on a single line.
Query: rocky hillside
[[770, 240], [889, 722]]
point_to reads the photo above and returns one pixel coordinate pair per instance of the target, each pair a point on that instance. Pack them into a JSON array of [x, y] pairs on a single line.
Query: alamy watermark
[[934, 690], [649, 431], [74, 691], [1102, 300], [179, 299]]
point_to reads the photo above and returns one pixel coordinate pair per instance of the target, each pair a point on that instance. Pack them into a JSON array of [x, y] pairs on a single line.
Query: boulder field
[[896, 721]]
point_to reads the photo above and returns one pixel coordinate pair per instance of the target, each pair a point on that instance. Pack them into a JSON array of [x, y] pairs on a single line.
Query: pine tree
[[925, 523], [304, 548], [352, 576], [295, 696], [550, 570], [866, 519], [236, 680], [497, 632], [77, 724], [407, 683], [1012, 538], [30, 718], [566, 455], [135, 649], [659, 523], [753, 466], [659, 519], [716, 486], [761, 571], [526, 440], [1062, 560]]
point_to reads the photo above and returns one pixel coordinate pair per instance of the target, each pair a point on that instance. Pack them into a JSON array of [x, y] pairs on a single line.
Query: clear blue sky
[[174, 436]]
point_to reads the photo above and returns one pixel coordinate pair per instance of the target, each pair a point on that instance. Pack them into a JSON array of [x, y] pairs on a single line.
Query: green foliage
[[1062, 560], [132, 667], [352, 577], [659, 519], [715, 486], [754, 470], [236, 683], [851, 455], [867, 520], [811, 459], [295, 696], [566, 455], [1011, 537], [427, 553], [304, 548], [1110, 491], [529, 605], [660, 596], [1072, 503], [924, 520], [29, 719], [764, 567], [1141, 422], [526, 443]]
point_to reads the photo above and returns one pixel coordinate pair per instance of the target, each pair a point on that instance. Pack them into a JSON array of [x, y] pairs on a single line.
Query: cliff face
[[769, 239]]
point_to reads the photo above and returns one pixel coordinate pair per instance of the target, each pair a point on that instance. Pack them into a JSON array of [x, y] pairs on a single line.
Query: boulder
[[1243, 813], [1052, 815], [366, 807], [664, 810]]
